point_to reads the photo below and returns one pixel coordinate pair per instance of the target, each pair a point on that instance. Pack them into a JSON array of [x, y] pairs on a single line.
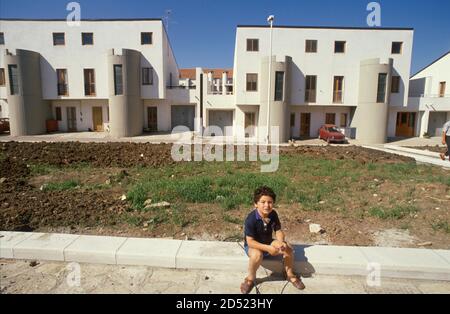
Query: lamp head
[[270, 19]]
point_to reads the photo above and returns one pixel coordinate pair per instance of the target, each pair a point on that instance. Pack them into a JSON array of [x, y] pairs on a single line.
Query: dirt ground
[[24, 206]]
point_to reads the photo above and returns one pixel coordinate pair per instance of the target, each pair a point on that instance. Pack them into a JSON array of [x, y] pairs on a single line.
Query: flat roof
[[330, 27], [82, 20]]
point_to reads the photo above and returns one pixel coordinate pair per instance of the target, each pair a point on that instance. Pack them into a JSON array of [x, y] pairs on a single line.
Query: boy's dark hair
[[264, 191]]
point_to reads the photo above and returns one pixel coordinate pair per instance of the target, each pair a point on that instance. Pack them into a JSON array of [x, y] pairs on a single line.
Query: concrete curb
[[177, 254]]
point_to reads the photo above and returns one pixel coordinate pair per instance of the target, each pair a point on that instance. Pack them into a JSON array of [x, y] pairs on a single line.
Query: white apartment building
[[356, 78], [429, 98], [100, 76]]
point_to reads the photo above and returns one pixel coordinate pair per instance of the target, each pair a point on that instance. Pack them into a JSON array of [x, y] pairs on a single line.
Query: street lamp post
[[270, 21]]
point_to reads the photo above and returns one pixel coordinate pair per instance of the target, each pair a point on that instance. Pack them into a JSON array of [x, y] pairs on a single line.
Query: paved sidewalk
[[17, 276], [421, 156], [176, 254]]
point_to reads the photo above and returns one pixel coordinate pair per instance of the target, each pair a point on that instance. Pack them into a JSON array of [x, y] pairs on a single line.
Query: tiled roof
[[217, 73]]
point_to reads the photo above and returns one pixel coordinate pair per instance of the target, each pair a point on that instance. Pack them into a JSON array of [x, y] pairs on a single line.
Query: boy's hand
[[274, 251]]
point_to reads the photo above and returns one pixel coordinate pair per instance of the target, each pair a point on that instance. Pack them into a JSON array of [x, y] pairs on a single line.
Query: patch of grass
[[233, 189], [441, 225], [42, 169], [232, 220], [62, 186], [179, 215], [396, 212], [133, 220], [97, 186]]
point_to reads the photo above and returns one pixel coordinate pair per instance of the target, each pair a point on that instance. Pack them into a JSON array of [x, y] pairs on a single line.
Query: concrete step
[[177, 254]]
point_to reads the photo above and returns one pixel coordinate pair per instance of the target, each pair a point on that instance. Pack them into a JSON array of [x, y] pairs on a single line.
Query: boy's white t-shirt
[[446, 128]]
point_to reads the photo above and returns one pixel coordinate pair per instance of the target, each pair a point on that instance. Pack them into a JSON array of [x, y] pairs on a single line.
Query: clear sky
[[202, 32]]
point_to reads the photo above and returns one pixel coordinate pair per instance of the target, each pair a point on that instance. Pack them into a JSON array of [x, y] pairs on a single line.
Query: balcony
[[430, 102], [182, 94]]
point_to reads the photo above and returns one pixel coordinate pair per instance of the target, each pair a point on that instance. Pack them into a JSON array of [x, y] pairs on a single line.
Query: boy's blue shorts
[[265, 253]]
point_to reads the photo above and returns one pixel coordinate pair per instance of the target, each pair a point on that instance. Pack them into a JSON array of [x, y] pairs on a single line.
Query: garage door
[[183, 116], [221, 119]]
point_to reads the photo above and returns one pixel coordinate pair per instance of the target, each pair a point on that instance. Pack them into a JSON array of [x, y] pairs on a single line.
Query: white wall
[[318, 115], [434, 74], [361, 45], [83, 113], [37, 36]]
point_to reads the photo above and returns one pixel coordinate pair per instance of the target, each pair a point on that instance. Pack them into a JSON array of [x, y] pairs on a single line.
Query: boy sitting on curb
[[259, 227]]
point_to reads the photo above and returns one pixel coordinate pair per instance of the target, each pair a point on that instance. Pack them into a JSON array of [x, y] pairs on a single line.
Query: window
[[59, 39], [2, 77], [344, 120], [397, 48], [292, 120], [13, 79], [58, 114], [442, 86], [311, 46], [147, 76], [339, 46], [395, 86], [89, 82], [330, 118], [146, 38], [118, 79], [279, 85], [61, 75], [310, 88], [2, 39], [252, 82], [381, 93], [87, 39], [252, 44], [337, 89]]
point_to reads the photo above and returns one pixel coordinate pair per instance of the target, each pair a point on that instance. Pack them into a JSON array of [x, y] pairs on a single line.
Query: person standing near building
[[446, 140]]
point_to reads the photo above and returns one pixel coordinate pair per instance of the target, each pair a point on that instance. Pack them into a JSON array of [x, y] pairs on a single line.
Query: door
[[71, 119], [250, 124], [152, 116], [305, 125], [406, 122], [97, 115], [183, 116], [221, 119]]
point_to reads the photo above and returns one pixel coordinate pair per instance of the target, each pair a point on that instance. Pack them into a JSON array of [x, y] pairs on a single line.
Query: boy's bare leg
[[288, 258], [255, 260]]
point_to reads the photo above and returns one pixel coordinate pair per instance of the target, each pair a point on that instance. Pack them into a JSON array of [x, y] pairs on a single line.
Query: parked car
[[330, 133], [4, 125]]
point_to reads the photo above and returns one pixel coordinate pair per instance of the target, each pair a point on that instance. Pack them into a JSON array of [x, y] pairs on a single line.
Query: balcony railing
[[62, 89], [181, 87]]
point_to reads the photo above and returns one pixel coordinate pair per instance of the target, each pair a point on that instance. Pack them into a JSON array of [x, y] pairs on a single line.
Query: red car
[[330, 133]]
